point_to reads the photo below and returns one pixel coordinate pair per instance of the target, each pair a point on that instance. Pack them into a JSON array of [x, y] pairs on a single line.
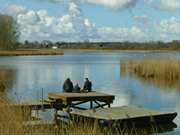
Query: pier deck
[[126, 113], [75, 99]]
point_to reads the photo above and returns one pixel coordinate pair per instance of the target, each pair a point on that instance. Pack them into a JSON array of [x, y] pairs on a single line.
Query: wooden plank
[[49, 101], [121, 113], [69, 97]]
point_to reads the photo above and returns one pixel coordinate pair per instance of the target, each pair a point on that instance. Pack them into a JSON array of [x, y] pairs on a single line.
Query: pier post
[[91, 104], [55, 114], [109, 104], [42, 98]]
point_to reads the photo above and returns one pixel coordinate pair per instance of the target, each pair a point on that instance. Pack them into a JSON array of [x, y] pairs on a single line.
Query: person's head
[[68, 79], [86, 79]]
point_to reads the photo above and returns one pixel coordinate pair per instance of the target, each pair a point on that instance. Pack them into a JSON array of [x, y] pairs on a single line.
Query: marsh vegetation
[[25, 52], [163, 72]]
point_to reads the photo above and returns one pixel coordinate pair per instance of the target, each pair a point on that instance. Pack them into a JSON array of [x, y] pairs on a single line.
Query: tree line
[[159, 45]]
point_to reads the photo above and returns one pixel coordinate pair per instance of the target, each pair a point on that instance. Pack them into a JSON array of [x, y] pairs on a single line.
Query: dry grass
[[31, 52], [153, 68], [160, 71], [9, 119], [12, 123]]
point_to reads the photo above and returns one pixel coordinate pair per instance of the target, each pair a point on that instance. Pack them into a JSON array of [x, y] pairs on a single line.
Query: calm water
[[25, 76]]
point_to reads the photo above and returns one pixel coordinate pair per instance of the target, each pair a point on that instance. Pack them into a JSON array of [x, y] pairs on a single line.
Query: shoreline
[[115, 51], [31, 52], [37, 52]]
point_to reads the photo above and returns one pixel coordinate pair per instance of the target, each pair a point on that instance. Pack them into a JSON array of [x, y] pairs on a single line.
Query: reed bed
[[162, 72], [153, 68], [12, 123]]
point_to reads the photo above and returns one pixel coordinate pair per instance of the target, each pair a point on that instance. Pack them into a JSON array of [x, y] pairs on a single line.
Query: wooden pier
[[96, 99], [97, 111], [72, 103], [130, 114]]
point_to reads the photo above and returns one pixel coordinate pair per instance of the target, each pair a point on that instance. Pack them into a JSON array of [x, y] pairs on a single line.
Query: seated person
[[68, 85], [87, 85], [76, 88]]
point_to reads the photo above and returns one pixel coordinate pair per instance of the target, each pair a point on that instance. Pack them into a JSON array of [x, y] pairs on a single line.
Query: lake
[[26, 76]]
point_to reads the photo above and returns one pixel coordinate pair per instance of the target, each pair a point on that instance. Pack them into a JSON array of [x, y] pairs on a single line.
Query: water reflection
[[161, 83], [6, 79]]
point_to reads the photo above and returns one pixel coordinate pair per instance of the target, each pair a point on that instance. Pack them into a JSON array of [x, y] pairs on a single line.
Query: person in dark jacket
[[87, 85], [68, 85]]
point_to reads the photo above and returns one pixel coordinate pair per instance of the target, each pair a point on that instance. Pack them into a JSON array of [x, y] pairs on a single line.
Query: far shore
[[26, 52], [115, 50]]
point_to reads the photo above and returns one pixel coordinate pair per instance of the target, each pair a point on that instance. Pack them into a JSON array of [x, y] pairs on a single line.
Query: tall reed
[[153, 68], [164, 73]]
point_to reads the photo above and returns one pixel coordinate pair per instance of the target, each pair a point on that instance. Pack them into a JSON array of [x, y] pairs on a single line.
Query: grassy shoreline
[[26, 52]]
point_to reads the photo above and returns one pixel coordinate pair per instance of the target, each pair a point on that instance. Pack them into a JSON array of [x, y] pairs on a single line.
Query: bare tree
[[9, 34]]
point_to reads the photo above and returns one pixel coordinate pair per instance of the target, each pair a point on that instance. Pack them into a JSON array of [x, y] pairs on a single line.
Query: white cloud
[[14, 10], [121, 33], [169, 5], [30, 18], [44, 18], [113, 4], [171, 25], [169, 29], [64, 25], [34, 23], [73, 26], [74, 9]]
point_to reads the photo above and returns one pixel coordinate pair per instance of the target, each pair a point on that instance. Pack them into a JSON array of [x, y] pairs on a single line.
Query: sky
[[95, 20]]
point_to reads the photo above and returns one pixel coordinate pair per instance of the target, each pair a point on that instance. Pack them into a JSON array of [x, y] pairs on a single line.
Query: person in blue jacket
[[77, 88]]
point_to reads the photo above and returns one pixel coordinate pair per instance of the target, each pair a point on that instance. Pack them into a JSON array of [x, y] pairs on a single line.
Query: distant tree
[[9, 33], [26, 42]]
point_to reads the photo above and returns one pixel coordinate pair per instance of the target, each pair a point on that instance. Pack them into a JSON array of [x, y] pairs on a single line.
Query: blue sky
[[102, 20]]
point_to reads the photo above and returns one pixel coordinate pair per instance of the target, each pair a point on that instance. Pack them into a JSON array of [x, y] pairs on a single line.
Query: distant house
[[54, 47]]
